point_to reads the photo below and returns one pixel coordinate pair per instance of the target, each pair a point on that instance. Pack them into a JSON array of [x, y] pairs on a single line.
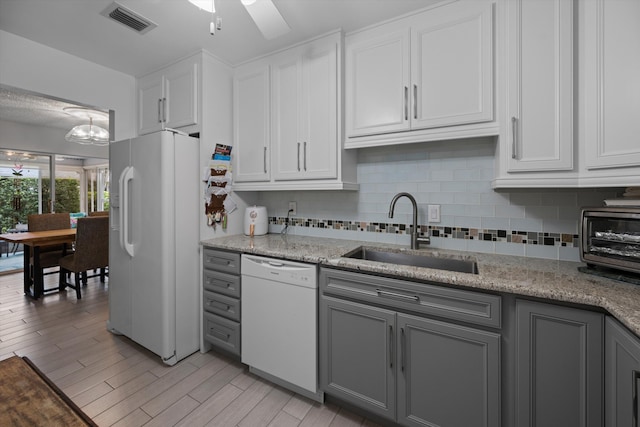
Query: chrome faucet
[[415, 240]]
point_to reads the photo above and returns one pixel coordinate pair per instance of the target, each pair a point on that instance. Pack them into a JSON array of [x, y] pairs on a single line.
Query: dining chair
[[99, 213], [49, 255], [91, 252]]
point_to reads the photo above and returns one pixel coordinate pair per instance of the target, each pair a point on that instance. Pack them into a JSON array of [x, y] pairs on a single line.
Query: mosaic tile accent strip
[[508, 236]]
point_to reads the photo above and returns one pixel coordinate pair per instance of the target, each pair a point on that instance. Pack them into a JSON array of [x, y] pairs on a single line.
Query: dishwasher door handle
[[275, 264]]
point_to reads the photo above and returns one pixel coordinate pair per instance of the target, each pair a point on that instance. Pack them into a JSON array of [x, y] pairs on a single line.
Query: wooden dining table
[[33, 241]]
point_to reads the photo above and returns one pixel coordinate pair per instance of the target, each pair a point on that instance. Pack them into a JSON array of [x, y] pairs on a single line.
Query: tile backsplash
[[540, 223]]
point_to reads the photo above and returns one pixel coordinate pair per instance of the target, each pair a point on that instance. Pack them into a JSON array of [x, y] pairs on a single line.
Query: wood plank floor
[[119, 383]]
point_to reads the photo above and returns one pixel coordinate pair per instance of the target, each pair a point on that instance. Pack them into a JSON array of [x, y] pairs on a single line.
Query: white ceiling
[[76, 27]]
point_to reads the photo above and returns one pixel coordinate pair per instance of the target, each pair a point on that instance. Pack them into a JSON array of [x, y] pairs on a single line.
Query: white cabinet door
[[181, 96], [304, 113], [377, 82], [168, 98], [251, 125], [539, 123], [612, 85], [150, 107], [452, 65], [320, 112], [286, 117]]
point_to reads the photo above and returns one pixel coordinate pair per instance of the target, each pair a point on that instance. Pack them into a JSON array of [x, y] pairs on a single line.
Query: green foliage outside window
[[19, 198]]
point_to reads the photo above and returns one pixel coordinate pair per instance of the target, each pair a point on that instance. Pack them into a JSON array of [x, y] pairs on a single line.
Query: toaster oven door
[[611, 239]]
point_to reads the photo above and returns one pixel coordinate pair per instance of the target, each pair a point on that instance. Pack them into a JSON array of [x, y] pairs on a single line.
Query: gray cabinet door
[[448, 375], [558, 366], [622, 375], [358, 356]]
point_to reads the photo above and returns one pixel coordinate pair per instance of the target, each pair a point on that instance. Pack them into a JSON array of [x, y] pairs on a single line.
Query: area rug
[[29, 398]]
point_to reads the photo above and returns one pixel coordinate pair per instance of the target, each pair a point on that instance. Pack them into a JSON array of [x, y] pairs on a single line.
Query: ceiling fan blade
[[267, 18]]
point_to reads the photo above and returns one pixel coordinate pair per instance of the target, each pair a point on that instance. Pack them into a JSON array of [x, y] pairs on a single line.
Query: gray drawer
[[223, 283], [437, 300], [222, 333], [221, 305], [227, 262]]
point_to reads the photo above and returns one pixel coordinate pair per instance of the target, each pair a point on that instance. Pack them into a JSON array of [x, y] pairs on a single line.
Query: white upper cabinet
[[287, 124], [251, 124], [612, 84], [377, 82], [539, 121], [425, 77], [169, 97], [452, 65], [572, 96], [304, 112]]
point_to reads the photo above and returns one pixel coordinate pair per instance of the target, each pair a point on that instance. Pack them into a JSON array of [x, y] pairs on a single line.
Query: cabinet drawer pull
[[514, 138], [415, 101], [222, 335], [298, 157], [406, 103], [391, 346], [382, 293]]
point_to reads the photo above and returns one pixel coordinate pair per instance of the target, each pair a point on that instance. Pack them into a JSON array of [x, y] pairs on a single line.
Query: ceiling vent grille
[[127, 17]]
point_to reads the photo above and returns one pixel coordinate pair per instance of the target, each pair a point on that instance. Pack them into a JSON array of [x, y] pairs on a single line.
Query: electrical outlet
[[293, 208], [434, 213]]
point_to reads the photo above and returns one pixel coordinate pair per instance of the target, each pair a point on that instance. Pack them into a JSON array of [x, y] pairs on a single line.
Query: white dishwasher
[[279, 321]]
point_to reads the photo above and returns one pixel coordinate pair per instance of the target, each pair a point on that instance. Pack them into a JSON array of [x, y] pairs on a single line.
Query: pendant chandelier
[[87, 134]]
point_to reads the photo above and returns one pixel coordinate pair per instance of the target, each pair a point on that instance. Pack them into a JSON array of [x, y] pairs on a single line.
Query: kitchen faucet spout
[[415, 240]]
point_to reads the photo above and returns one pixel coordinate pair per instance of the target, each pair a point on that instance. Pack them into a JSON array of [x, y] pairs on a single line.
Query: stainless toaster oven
[[610, 237]]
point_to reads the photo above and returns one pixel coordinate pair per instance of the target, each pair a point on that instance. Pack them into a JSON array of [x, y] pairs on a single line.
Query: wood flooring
[[119, 383]]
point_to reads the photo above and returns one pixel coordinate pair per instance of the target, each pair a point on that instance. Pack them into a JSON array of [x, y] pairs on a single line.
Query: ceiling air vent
[[127, 17]]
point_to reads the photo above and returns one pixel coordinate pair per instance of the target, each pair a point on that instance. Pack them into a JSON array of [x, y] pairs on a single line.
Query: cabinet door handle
[[159, 110], [402, 349], [304, 157], [636, 389], [406, 103], [264, 159], [382, 293], [298, 157], [391, 346], [415, 101], [164, 110], [514, 138]]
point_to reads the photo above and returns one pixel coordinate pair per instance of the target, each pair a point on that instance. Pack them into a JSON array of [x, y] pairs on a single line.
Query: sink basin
[[449, 264]]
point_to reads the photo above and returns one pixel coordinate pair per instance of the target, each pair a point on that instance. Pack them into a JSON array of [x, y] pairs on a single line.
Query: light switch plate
[[434, 213]]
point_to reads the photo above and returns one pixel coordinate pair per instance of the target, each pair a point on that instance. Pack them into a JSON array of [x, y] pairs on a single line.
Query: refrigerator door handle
[[125, 178]]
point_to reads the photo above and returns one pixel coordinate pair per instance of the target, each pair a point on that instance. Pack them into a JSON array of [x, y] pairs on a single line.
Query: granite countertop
[[548, 279]]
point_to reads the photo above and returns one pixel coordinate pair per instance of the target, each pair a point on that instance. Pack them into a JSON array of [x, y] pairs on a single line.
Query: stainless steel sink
[[449, 264]]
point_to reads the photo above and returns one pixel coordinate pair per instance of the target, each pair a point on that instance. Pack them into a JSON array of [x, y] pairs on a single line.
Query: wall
[[456, 175], [34, 67], [217, 128]]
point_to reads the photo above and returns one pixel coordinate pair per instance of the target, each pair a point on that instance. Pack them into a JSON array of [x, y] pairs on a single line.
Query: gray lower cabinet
[[558, 366], [448, 374], [622, 375], [357, 354], [221, 299], [414, 370]]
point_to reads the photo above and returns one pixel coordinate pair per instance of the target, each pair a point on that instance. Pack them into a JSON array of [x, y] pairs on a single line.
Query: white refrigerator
[[154, 243]]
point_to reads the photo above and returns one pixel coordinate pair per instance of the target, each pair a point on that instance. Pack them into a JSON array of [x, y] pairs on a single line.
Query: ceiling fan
[[264, 13]]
